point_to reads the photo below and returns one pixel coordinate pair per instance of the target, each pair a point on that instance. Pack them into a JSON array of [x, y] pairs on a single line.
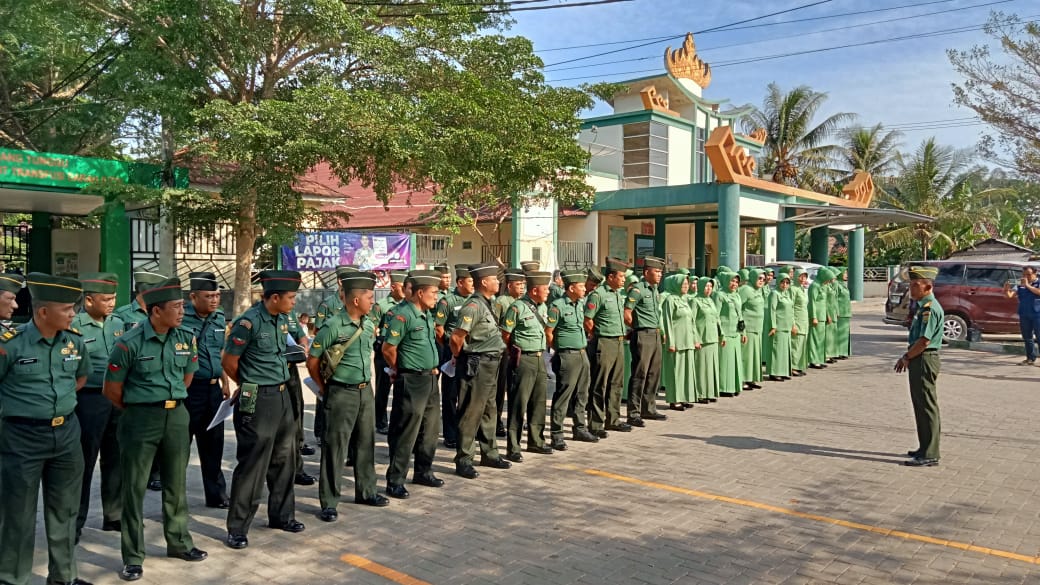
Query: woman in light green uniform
[[800, 305], [705, 318], [817, 294], [832, 316], [752, 308], [844, 327], [731, 367], [781, 328], [677, 370]]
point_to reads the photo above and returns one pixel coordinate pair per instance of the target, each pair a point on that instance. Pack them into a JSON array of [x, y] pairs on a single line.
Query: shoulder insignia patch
[[591, 306], [402, 319], [316, 344], [394, 333], [74, 330], [440, 315], [510, 322], [113, 367], [246, 323], [118, 333], [238, 341], [467, 319], [472, 305], [926, 305]]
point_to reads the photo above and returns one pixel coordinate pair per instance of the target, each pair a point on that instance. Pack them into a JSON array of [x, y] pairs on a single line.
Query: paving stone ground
[[829, 445]]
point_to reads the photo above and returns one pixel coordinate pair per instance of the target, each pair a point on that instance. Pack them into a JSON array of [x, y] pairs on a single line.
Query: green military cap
[[358, 281], [425, 277], [442, 268], [462, 271], [921, 272], [99, 282], [653, 262], [538, 278], [143, 280], [343, 269], [398, 276], [574, 277], [11, 282], [280, 280], [167, 290], [615, 265], [478, 271], [53, 289], [514, 274], [202, 281], [594, 275], [530, 265]]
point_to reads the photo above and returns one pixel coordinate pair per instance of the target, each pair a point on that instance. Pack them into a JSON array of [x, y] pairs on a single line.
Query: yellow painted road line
[[814, 517], [381, 570]]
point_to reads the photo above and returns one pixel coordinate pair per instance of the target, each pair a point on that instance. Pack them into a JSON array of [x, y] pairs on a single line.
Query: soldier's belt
[[361, 386], [564, 351], [646, 328], [165, 404], [524, 354], [610, 337], [432, 372], [39, 422], [86, 390], [270, 388]]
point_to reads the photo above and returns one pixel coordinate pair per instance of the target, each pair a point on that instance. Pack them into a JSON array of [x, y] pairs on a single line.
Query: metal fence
[[573, 255], [496, 252], [430, 250], [875, 274]]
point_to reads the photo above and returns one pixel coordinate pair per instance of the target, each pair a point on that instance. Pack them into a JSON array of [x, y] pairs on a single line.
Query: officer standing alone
[[921, 361]]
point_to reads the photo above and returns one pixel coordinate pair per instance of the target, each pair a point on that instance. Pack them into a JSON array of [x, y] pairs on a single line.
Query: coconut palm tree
[[797, 148], [873, 150]]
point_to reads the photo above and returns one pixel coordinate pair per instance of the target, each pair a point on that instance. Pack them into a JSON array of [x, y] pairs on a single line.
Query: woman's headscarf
[[702, 286], [753, 278]]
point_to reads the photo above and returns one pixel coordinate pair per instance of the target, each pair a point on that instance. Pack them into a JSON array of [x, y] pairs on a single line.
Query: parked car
[[809, 267], [971, 293]]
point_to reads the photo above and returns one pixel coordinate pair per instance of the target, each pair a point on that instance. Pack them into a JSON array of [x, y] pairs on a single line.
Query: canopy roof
[[827, 215]]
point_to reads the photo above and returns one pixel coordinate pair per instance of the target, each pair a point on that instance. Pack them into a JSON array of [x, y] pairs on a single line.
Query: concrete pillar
[[856, 252], [660, 226], [785, 238], [40, 243], [729, 225], [768, 238], [115, 248], [700, 260], [820, 245]]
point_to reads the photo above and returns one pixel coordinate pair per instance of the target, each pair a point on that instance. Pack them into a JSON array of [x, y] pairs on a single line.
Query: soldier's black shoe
[[236, 541], [817, 366], [131, 572], [913, 454], [921, 462], [377, 501], [467, 471], [451, 444], [328, 515], [156, 486], [543, 450], [112, 526], [754, 386], [559, 445], [76, 581], [307, 450], [223, 504], [428, 479], [348, 463], [620, 427], [383, 429], [636, 422], [832, 361], [396, 491], [584, 436], [498, 463], [677, 406], [304, 479], [500, 430], [293, 526], [514, 457], [655, 416], [192, 556], [600, 434]]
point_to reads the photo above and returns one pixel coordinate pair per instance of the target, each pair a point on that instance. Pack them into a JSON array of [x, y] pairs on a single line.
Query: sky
[[895, 82]]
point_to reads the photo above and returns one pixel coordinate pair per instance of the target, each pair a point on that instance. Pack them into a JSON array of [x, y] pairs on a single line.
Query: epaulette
[[74, 330], [926, 305], [8, 335]]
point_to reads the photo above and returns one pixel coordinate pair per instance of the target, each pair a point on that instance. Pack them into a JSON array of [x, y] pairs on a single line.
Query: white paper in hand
[[448, 368], [224, 412]]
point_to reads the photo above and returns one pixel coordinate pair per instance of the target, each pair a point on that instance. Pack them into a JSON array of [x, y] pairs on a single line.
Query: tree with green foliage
[[873, 150]]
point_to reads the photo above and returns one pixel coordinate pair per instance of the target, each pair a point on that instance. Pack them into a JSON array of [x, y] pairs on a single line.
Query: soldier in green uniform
[[556, 288], [643, 315], [516, 285], [410, 350], [10, 286], [565, 333], [148, 376], [922, 363], [843, 324], [593, 279], [445, 272], [98, 419], [347, 395], [254, 357], [204, 318], [800, 304], [605, 326], [818, 319], [396, 296], [523, 330], [476, 346], [329, 307], [446, 316], [753, 312], [42, 365], [296, 354]]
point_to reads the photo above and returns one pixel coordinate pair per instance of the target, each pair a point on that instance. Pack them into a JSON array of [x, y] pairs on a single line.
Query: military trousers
[[571, 395], [414, 420], [148, 433], [98, 421], [451, 408], [477, 414], [527, 400], [646, 373], [350, 422], [923, 373], [606, 357], [31, 455], [204, 398], [505, 386], [295, 389], [383, 387], [266, 453]]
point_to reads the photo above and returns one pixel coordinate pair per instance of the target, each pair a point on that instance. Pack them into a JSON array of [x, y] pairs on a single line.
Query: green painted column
[[729, 225], [659, 235], [115, 248], [785, 238], [40, 243], [820, 245], [700, 259], [856, 252], [514, 251]]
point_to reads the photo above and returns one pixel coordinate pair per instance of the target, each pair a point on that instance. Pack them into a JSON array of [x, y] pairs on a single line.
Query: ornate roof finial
[[684, 63]]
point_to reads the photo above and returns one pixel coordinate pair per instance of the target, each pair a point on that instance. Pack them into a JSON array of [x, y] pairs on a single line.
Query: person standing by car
[[1028, 294]]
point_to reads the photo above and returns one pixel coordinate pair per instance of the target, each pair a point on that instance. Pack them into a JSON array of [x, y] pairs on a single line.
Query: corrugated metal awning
[[827, 215]]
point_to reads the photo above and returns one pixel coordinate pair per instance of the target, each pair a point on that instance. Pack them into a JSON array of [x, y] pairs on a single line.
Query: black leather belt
[[930, 350], [360, 386], [611, 337], [167, 404], [86, 390], [431, 372], [205, 381], [39, 422], [530, 353], [270, 388], [646, 328], [562, 351]]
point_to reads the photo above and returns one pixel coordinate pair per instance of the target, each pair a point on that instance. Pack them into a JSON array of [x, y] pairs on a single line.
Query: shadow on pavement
[[746, 443]]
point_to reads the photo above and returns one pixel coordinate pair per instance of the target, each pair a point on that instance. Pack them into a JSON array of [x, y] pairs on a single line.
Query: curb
[[989, 346]]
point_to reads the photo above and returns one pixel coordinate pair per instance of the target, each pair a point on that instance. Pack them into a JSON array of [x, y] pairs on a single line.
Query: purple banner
[[324, 251]]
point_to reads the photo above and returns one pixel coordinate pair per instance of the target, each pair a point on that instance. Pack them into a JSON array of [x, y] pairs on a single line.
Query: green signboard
[[26, 167]]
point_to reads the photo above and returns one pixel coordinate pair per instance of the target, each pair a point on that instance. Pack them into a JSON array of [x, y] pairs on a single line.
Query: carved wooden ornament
[[684, 63]]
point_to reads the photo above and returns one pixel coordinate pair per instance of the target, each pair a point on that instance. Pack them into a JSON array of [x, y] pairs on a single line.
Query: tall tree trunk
[[924, 245], [245, 240]]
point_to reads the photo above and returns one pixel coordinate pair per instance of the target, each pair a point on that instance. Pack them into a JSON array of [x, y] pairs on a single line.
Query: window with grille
[[645, 155]]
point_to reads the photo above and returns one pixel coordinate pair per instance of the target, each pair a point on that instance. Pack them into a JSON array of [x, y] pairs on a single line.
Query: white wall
[[678, 245], [603, 183], [84, 244], [605, 147], [680, 149], [536, 231]]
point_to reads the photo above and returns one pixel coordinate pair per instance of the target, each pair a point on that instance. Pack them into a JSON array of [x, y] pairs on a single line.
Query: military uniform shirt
[[500, 305], [476, 319], [99, 340], [645, 302], [605, 307], [152, 367], [131, 315], [38, 376], [556, 292], [928, 322], [261, 346], [209, 338], [564, 317], [356, 365], [414, 333], [526, 322], [447, 310], [329, 307]]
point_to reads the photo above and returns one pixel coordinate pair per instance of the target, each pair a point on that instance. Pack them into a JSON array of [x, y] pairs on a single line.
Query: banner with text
[[324, 251]]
